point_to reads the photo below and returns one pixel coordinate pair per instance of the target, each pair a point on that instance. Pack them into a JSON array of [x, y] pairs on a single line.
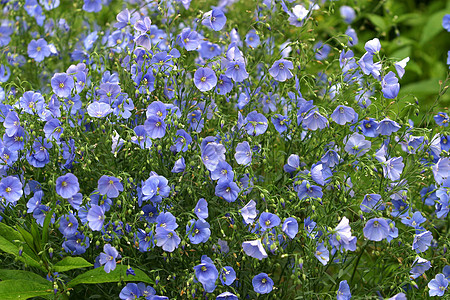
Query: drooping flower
[[243, 153], [343, 292], [254, 249], [96, 217]]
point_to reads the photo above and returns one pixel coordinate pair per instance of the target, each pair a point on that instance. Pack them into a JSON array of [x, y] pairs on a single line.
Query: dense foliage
[[224, 150]]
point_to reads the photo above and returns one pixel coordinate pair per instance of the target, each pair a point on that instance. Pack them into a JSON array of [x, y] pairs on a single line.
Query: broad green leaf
[[377, 21], [70, 263], [433, 26], [99, 275], [425, 87], [23, 289], [36, 237], [22, 275], [13, 249]]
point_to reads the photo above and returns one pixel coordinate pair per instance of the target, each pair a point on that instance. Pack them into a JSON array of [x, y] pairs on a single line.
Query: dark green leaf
[[24, 275], [13, 249], [377, 21], [99, 275], [46, 227], [70, 263], [23, 289]]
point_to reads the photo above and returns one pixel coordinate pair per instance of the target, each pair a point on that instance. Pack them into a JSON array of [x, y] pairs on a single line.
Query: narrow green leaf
[[36, 237], [99, 275], [24, 275], [10, 234], [23, 289], [28, 238], [46, 227], [70, 263]]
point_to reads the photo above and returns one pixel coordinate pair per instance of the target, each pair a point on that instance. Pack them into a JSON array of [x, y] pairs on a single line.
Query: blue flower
[[371, 202], [214, 19], [236, 70], [438, 285], [167, 239], [393, 168], [92, 5], [67, 185], [179, 166], [68, 225], [280, 122], [167, 221], [400, 67], [38, 50], [262, 283], [314, 120], [322, 253], [280, 70], [256, 123], [343, 114], [249, 212], [189, 39], [376, 229], [223, 171], [347, 13], [344, 291], [254, 249], [442, 119], [198, 231], [298, 15], [419, 266], [227, 296], [357, 145], [227, 275], [207, 274], [130, 292], [110, 186], [290, 227], [62, 84], [390, 86], [373, 46], [227, 189], [108, 258], [155, 127], [201, 209], [11, 189], [96, 217], [446, 22], [387, 127], [243, 153], [268, 221], [352, 37], [205, 79], [252, 39], [422, 241]]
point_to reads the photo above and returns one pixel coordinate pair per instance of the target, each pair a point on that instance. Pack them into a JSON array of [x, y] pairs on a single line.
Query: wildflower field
[[224, 149]]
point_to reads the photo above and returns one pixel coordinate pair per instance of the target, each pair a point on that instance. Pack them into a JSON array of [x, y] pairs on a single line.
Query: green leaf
[[99, 275], [11, 234], [28, 238], [23, 275], [70, 263], [421, 88], [377, 21], [9, 247], [23, 289], [433, 26], [46, 227], [36, 237]]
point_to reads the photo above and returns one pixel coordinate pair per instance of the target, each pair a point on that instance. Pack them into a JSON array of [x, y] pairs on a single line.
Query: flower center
[[203, 79], [61, 85], [64, 183]]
